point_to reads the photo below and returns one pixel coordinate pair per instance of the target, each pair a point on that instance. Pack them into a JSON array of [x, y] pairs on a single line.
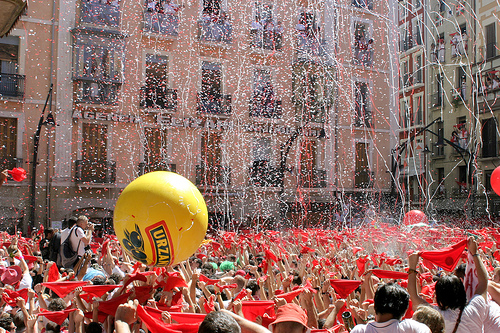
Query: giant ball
[[160, 218]]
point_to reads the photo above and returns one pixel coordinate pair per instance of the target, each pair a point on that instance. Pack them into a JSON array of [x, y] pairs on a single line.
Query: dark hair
[[72, 221], [93, 327], [321, 323], [19, 320], [116, 278], [52, 327], [253, 286], [391, 298], [57, 304], [219, 322], [460, 271], [99, 280], [297, 280], [5, 323], [48, 231], [450, 293]]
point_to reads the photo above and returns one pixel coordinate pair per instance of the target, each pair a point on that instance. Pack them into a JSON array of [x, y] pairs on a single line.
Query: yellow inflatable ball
[[160, 218]]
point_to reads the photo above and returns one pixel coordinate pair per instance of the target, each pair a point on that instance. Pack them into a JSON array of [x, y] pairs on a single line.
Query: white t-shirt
[[492, 322], [392, 326], [76, 237], [473, 317]]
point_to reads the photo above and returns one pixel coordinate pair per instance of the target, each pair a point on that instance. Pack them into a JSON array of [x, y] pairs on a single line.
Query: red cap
[[291, 312]]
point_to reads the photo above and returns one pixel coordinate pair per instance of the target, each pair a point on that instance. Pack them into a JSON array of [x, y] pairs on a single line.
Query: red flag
[[153, 324], [53, 274], [386, 274], [63, 288], [344, 287], [92, 291], [446, 258], [203, 278], [252, 309], [57, 317]]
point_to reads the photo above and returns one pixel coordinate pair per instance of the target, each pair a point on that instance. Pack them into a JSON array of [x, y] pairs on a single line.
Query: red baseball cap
[[291, 312]]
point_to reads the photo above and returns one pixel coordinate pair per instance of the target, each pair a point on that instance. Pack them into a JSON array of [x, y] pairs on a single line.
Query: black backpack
[[69, 257]]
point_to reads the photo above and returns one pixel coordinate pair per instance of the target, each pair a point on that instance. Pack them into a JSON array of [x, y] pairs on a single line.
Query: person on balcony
[[256, 31]]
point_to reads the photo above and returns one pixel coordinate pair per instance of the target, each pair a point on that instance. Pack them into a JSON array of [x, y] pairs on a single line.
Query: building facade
[[280, 113]]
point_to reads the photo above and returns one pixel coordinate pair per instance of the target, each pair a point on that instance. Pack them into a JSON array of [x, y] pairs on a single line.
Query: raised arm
[[412, 280]]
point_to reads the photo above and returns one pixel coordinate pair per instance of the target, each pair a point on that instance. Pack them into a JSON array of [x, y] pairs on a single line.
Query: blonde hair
[[430, 317]]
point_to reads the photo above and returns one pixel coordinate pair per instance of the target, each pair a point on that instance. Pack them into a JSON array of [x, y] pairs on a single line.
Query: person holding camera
[[82, 236]]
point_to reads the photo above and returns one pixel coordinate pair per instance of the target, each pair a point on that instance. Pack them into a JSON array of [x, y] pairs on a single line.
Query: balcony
[[491, 50], [459, 95], [366, 4], [12, 85], [216, 30], [9, 163], [159, 98], [264, 175], [437, 99], [97, 92], [214, 104], [160, 23], [145, 167], [100, 14], [271, 110], [95, 172], [363, 179], [267, 40], [312, 178], [310, 47], [363, 117], [214, 175]]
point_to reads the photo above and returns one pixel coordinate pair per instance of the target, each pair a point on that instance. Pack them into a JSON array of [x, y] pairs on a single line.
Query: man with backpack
[[73, 245]]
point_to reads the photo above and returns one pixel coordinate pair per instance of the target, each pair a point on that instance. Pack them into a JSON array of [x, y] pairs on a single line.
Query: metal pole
[[36, 141]]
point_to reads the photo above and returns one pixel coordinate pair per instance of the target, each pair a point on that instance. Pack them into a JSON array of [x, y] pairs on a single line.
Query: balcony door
[[155, 152], [362, 172], [156, 81], [9, 55], [211, 87], [8, 142], [94, 152], [308, 162], [211, 158]]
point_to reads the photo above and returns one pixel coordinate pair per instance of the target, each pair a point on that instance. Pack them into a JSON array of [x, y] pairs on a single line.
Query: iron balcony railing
[[12, 85], [100, 14], [215, 31], [96, 172], [314, 178], [270, 109], [267, 40], [159, 97], [213, 175], [160, 23], [145, 167], [214, 103], [93, 92], [264, 175]]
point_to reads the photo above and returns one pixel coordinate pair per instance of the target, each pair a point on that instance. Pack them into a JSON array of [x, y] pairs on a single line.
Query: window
[[362, 174], [363, 115], [156, 93], [418, 69], [404, 38], [162, 17], [94, 166], [418, 110], [458, 42], [8, 142], [310, 176], [99, 12], [264, 103], [155, 152], [405, 75], [210, 98], [215, 24], [363, 44], [487, 181], [489, 137], [417, 31], [491, 38], [439, 145], [212, 7], [308, 34], [461, 85], [405, 113], [265, 31], [262, 149], [438, 95], [210, 171], [11, 83]]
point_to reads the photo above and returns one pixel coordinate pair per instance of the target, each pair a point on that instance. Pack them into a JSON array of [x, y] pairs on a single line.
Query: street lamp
[[49, 121]]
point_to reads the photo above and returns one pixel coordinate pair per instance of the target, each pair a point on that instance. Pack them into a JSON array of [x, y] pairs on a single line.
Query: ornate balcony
[[272, 109], [159, 23], [264, 175], [96, 172], [214, 104], [150, 167], [159, 98], [215, 30], [312, 178], [100, 14], [214, 175], [12, 85]]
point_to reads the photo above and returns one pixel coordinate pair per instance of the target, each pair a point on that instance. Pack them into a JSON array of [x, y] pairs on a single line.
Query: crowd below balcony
[[266, 33], [363, 50]]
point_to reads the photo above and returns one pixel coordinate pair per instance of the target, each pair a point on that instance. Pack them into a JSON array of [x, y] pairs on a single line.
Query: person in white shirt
[[81, 235]]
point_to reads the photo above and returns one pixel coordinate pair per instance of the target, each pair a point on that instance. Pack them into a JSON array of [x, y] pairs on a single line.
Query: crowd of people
[[379, 278]]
